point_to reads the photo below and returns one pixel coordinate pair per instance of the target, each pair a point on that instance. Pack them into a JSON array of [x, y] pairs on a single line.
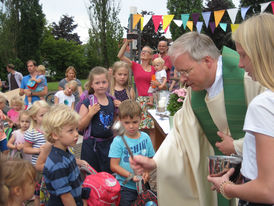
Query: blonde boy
[[61, 173], [40, 81], [66, 96], [161, 78], [139, 142]]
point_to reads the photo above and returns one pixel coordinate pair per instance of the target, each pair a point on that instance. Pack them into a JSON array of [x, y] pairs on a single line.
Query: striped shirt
[[62, 176], [37, 139]]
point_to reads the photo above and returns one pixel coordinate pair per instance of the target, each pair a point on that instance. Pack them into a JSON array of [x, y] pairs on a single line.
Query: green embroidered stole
[[234, 96]]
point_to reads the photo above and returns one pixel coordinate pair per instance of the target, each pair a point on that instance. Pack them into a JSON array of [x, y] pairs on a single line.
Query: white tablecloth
[[162, 121]]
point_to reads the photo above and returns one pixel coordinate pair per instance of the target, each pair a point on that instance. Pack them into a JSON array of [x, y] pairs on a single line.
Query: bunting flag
[[142, 23], [234, 27], [272, 4], [223, 26], [178, 22], [136, 19], [206, 16], [243, 11], [232, 14], [195, 18], [157, 19], [184, 18], [212, 26], [166, 21], [264, 6], [146, 19], [199, 26], [218, 15], [190, 25]]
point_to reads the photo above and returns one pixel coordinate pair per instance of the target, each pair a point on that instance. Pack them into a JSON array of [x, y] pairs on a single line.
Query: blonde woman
[[255, 44]]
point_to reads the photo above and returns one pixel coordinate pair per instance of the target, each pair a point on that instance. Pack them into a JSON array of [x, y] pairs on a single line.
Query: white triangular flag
[[232, 14], [178, 22], [146, 19], [264, 6]]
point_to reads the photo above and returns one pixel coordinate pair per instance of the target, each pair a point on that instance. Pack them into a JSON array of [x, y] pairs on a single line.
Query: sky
[[54, 9]]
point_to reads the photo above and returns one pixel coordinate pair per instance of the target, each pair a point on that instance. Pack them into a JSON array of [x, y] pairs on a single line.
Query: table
[[161, 128]]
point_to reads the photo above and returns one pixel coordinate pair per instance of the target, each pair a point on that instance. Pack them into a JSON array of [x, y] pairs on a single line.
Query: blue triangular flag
[[243, 11], [199, 26], [206, 16], [223, 26]]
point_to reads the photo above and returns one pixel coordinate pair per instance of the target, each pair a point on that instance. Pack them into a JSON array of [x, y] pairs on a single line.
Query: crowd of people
[[228, 110]]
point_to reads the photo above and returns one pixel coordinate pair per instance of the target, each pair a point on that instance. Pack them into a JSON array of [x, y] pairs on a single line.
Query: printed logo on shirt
[[138, 149], [106, 119]]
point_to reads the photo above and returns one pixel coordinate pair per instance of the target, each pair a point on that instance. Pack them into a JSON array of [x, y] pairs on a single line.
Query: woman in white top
[[255, 44]]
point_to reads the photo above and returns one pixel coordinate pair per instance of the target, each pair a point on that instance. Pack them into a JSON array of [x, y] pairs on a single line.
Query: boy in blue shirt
[[139, 143], [62, 176]]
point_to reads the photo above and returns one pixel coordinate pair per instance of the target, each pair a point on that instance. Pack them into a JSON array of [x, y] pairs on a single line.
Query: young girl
[[66, 96], [17, 105], [18, 181], [34, 138], [120, 83], [16, 142], [97, 114]]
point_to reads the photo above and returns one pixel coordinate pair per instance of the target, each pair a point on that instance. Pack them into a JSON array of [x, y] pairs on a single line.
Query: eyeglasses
[[145, 51], [186, 73]]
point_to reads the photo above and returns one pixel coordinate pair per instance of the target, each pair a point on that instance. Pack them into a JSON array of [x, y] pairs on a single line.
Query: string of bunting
[[165, 20]]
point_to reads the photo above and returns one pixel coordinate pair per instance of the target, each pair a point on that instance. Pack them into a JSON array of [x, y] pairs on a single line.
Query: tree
[[65, 28], [106, 31], [220, 37], [182, 7], [254, 6]]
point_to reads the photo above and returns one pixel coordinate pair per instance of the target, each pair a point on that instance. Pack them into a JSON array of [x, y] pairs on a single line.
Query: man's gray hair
[[196, 45]]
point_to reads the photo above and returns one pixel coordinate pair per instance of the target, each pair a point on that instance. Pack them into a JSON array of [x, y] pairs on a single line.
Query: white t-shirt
[[159, 75], [64, 99], [260, 119]]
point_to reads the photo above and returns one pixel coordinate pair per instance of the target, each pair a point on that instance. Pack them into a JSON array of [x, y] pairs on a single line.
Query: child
[[161, 78], [97, 116], [130, 116], [34, 138], [16, 142], [120, 83], [3, 118], [19, 181], [40, 80], [17, 105], [66, 96], [61, 173]]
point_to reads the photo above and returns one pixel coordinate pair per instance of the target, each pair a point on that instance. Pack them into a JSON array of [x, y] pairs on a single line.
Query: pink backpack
[[104, 188]]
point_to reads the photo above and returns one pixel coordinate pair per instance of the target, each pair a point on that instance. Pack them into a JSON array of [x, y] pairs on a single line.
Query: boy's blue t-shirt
[[24, 84], [141, 146]]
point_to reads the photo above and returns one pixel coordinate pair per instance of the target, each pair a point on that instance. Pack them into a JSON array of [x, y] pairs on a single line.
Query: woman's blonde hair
[[16, 173], [255, 35], [17, 100], [98, 70], [58, 116], [71, 68], [35, 109], [116, 66]]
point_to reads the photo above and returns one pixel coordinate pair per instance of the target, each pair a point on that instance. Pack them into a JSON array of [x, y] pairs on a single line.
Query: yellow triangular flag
[[189, 24], [218, 15], [142, 23], [136, 19], [234, 27], [166, 21]]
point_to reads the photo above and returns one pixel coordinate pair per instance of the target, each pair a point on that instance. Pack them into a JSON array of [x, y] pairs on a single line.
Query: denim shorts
[[128, 196]]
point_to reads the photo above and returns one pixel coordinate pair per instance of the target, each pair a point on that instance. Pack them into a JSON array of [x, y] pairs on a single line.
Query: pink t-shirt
[[168, 63], [142, 78], [13, 115]]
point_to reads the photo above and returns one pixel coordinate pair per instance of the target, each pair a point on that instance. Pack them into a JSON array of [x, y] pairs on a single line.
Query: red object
[[153, 78], [105, 189]]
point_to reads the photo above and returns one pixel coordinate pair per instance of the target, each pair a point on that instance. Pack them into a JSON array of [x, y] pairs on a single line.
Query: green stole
[[235, 103]]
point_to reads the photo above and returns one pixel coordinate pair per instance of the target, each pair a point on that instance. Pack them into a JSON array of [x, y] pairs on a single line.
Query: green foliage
[[254, 6], [182, 7], [105, 32], [57, 55], [220, 37], [65, 28], [173, 105]]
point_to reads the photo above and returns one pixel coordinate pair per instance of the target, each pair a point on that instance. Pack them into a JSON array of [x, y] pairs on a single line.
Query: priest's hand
[[141, 164], [226, 146]]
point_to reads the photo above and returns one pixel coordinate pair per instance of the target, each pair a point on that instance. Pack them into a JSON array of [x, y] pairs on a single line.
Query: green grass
[[53, 86]]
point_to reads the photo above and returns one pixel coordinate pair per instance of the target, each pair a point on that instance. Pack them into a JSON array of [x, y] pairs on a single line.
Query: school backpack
[[104, 188], [92, 100]]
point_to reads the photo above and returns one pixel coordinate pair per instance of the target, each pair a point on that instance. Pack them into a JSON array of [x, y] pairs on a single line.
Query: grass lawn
[[53, 86]]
